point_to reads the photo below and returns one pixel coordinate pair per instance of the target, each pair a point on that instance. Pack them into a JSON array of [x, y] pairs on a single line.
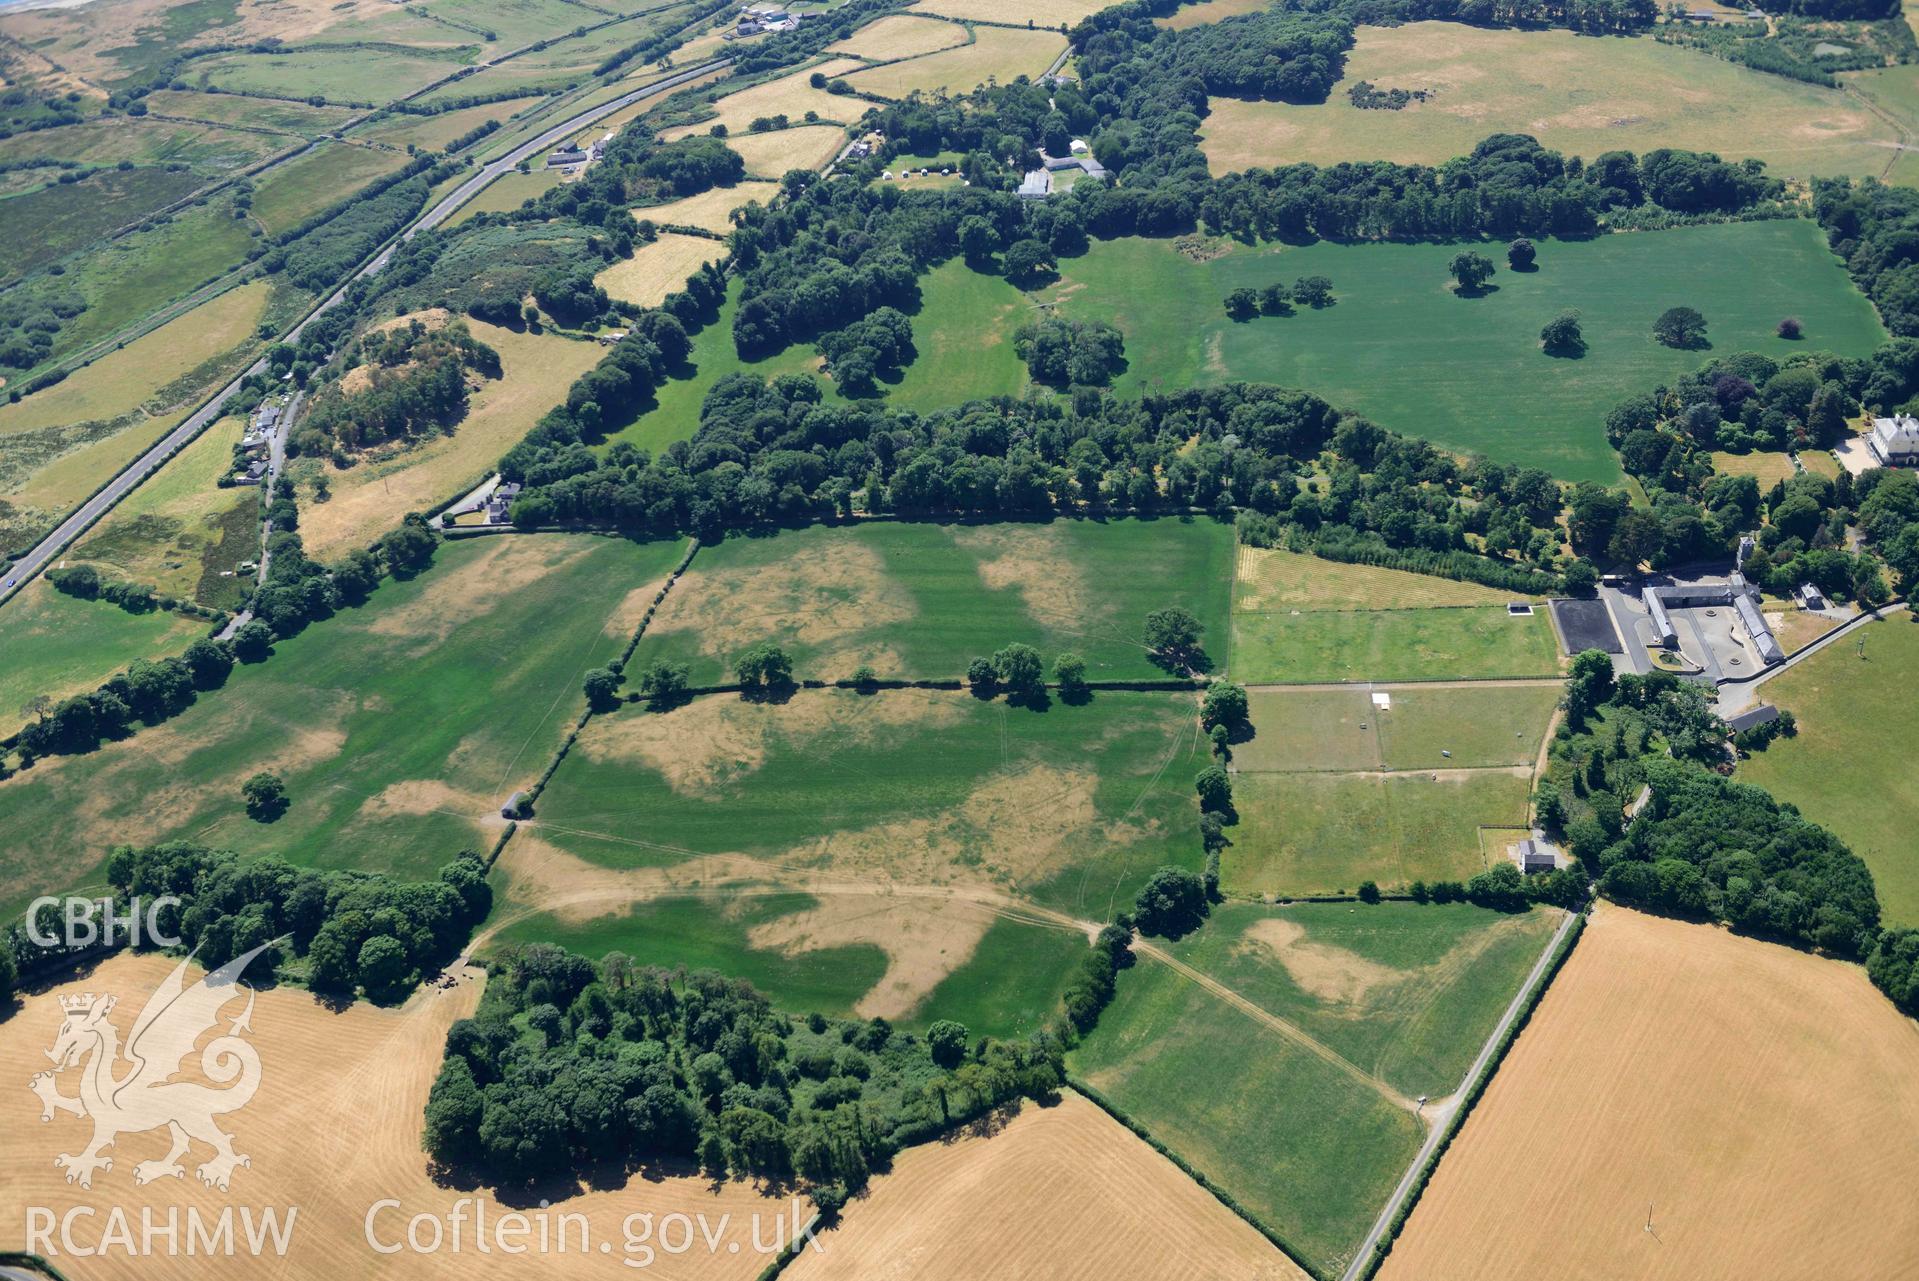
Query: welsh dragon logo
[[142, 1095]]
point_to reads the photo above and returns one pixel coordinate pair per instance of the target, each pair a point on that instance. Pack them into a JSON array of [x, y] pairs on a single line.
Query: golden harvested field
[[1577, 94], [1768, 468], [709, 210], [1763, 1101], [995, 54], [159, 535], [1208, 11], [370, 498], [770, 155], [60, 446], [123, 380], [1065, 1193], [656, 270], [900, 35], [1267, 578], [1013, 13], [334, 1128], [789, 95]]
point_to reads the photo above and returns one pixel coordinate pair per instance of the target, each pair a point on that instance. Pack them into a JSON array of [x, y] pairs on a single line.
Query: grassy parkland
[[1467, 373]]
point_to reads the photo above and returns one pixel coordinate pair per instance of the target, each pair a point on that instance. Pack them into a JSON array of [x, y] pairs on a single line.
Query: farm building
[[1661, 600], [1037, 185], [1534, 854], [565, 156], [500, 505], [1895, 441]]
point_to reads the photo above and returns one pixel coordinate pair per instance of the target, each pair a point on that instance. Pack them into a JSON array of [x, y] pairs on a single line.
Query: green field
[[365, 77], [260, 113], [289, 193], [1070, 807], [1848, 767], [962, 332], [1324, 833], [1462, 643], [179, 533], [57, 645], [700, 934], [920, 600], [41, 226], [1402, 996], [207, 149], [399, 727], [1467, 373], [136, 275], [1484, 726], [434, 132], [1011, 987]]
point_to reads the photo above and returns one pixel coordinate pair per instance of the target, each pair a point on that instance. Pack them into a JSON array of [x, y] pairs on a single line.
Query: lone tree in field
[[981, 676], [1171, 904], [1562, 337], [1471, 270], [1242, 304], [1020, 670], [1172, 636], [1069, 673], [1520, 254], [1027, 263], [266, 797], [1276, 300], [1790, 328], [1680, 327]]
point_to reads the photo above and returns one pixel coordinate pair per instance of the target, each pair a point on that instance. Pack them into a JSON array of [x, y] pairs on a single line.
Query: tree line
[[777, 452]]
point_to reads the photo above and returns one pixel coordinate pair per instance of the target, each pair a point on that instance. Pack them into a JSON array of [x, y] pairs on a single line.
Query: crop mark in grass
[[1290, 1031]]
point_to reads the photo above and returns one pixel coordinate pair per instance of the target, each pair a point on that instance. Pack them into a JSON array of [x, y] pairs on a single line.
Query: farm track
[[1445, 1110]]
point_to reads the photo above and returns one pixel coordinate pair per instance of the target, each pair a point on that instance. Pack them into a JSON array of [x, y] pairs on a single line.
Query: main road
[[110, 494]]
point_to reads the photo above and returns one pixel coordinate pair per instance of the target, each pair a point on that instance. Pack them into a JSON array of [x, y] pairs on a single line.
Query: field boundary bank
[[1220, 1194], [1393, 1218], [521, 802]]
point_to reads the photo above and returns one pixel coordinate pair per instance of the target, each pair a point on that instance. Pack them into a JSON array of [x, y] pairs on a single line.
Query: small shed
[[1752, 718], [1810, 597]]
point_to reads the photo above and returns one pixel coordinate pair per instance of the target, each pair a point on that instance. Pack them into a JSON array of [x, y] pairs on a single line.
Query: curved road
[[83, 517]]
